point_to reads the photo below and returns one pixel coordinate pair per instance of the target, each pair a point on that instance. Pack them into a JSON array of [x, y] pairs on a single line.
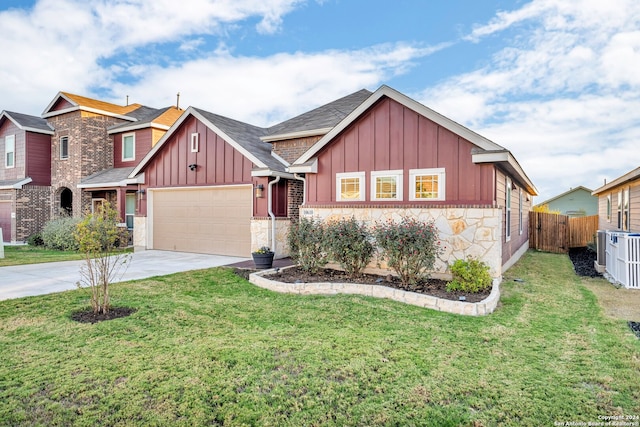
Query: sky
[[556, 82]]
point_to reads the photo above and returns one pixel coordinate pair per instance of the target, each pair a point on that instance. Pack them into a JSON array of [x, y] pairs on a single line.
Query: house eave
[[308, 167], [89, 110], [296, 135], [137, 126], [16, 186], [508, 162], [629, 176], [271, 173]]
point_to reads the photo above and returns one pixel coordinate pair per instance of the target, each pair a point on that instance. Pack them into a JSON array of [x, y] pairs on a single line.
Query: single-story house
[[217, 185], [575, 202]]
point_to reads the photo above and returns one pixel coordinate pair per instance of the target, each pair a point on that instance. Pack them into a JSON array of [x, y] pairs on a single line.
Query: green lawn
[[25, 254], [208, 348]]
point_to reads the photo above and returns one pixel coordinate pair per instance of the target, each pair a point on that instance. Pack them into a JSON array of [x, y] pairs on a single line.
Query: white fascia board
[[90, 110], [505, 156], [17, 185], [309, 167], [629, 176], [295, 135], [122, 183], [59, 112], [35, 130], [427, 112], [270, 172], [137, 126]]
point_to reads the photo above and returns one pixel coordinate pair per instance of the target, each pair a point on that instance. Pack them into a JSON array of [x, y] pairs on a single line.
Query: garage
[[5, 220], [211, 220]]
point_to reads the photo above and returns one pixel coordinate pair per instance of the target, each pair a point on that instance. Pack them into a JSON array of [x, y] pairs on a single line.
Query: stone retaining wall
[[484, 307]]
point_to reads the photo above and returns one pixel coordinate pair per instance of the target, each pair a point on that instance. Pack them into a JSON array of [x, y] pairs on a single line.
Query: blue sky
[[554, 81]]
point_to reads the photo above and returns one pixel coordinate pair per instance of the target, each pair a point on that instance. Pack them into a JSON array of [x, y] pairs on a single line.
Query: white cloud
[[562, 95]]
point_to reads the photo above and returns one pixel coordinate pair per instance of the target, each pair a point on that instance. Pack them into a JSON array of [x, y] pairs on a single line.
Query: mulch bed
[[433, 287], [583, 260], [88, 316]]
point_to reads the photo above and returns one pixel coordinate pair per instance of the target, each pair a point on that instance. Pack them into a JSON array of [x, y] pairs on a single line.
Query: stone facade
[[261, 235], [291, 149], [139, 233], [90, 150], [464, 232]]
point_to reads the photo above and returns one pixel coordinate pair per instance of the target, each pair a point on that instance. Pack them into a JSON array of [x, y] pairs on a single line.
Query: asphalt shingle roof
[[26, 120], [109, 176]]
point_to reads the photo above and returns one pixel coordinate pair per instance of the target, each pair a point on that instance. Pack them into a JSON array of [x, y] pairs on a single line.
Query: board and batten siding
[[391, 136], [143, 142]]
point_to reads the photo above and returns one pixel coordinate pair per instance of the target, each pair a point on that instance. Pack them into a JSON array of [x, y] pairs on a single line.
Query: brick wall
[[90, 151], [295, 197], [291, 149], [32, 210]]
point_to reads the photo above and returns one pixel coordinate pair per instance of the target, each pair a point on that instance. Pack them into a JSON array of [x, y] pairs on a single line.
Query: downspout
[[271, 214], [304, 187]]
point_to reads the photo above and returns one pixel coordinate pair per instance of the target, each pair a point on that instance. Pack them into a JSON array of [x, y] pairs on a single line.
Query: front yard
[[208, 348]]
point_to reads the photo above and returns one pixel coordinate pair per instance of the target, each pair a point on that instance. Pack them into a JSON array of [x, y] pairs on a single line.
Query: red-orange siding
[[143, 142], [38, 158]]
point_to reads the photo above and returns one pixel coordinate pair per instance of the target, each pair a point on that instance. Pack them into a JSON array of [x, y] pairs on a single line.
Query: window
[[64, 147], [195, 142], [620, 196], [129, 147], [350, 186], [426, 184], [520, 226], [130, 209], [508, 211], [626, 220], [609, 208], [386, 185], [97, 204], [10, 151]]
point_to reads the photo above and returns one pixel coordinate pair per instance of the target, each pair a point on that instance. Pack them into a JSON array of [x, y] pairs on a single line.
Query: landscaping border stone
[[482, 308]]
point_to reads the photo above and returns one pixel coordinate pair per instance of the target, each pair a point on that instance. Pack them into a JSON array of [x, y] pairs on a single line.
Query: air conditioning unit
[[601, 242], [623, 259]]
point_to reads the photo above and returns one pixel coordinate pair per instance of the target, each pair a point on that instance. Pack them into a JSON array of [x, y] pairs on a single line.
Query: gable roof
[[114, 177], [627, 177], [318, 121], [14, 184], [159, 118], [487, 150], [83, 103], [27, 123], [559, 196], [242, 136]]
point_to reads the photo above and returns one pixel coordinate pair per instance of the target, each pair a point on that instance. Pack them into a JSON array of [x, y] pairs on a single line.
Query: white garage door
[[203, 220], [5, 220]]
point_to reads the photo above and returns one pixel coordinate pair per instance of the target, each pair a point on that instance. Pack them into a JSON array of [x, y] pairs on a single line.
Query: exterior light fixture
[[259, 191], [193, 166]]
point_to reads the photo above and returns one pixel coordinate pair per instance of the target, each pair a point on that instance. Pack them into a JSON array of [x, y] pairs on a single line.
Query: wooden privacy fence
[[557, 233]]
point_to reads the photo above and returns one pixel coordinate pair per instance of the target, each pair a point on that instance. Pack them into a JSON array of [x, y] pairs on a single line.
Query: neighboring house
[[25, 174], [216, 185], [619, 203], [576, 202]]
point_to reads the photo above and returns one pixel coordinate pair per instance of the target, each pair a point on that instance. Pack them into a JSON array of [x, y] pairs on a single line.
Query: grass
[[208, 348], [26, 254]]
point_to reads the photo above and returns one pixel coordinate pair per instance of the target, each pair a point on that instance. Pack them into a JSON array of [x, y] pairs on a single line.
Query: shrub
[[35, 240], [306, 246], [349, 244], [471, 275], [58, 234], [410, 247], [99, 236]]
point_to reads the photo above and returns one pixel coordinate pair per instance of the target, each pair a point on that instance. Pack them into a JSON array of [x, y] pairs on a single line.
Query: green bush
[[471, 276], [410, 247], [58, 234], [35, 240], [306, 244], [349, 244]]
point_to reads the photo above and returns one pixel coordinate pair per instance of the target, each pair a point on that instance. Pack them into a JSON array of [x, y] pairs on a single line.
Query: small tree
[[410, 247], [99, 237], [349, 244], [306, 244]]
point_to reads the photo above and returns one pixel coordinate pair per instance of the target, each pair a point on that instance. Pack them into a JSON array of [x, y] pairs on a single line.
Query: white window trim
[[507, 202], [626, 216], [343, 175], [95, 201], [397, 174], [60, 141], [11, 138], [133, 151], [195, 142], [413, 173], [620, 205], [129, 196], [608, 207]]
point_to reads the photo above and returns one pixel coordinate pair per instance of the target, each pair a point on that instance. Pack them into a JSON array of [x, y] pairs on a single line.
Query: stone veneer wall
[[33, 210], [261, 235], [463, 231], [139, 233]]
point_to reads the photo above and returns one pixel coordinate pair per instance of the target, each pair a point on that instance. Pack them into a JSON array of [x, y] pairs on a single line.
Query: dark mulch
[[433, 287], [88, 316], [583, 260]]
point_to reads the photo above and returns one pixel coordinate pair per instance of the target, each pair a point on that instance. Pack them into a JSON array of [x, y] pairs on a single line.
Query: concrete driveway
[[39, 279]]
